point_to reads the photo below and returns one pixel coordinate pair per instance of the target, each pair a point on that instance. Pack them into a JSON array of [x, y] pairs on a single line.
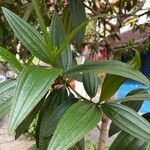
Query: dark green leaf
[[67, 20], [112, 67], [125, 141], [79, 119], [91, 83], [78, 16], [128, 142], [33, 84], [29, 37], [6, 94], [11, 59], [28, 120], [128, 120], [52, 102], [138, 97], [76, 30], [135, 105], [57, 104], [58, 35], [147, 116], [42, 26], [109, 88]]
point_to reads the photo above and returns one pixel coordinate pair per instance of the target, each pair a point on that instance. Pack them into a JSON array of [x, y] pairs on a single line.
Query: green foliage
[[45, 91], [15, 64], [91, 83], [128, 142], [57, 36], [57, 103], [33, 84], [6, 94], [135, 105], [112, 67], [108, 85], [29, 37], [78, 16], [78, 120], [128, 120]]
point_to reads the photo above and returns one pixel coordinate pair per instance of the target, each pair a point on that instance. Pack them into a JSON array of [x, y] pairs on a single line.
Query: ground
[[7, 141]]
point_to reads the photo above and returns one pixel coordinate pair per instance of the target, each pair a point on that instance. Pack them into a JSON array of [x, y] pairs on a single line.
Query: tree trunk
[[103, 132]]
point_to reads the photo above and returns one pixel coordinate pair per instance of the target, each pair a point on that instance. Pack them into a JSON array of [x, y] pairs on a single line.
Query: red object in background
[[72, 84], [102, 54], [99, 56]]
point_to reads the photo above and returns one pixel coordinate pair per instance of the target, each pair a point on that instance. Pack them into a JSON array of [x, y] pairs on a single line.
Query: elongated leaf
[[125, 141], [77, 121], [109, 88], [58, 35], [135, 105], [32, 85], [28, 120], [78, 16], [9, 57], [77, 29], [91, 83], [128, 142], [112, 67], [42, 25], [138, 97], [67, 20], [6, 94], [29, 37], [128, 120], [54, 100], [51, 123]]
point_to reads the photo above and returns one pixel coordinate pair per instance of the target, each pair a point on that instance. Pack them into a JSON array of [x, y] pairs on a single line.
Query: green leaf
[[28, 120], [138, 97], [66, 18], [33, 84], [6, 94], [58, 35], [29, 37], [126, 141], [50, 115], [51, 103], [135, 105], [128, 120], [112, 67], [77, 29], [11, 59], [91, 83], [108, 86], [78, 16], [42, 26], [79, 119]]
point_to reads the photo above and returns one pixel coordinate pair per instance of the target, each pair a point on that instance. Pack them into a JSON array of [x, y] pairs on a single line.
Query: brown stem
[[103, 132]]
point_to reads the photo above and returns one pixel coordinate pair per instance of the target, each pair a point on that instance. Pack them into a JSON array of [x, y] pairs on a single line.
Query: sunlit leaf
[[112, 67], [79, 119], [128, 120], [33, 84], [29, 37]]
